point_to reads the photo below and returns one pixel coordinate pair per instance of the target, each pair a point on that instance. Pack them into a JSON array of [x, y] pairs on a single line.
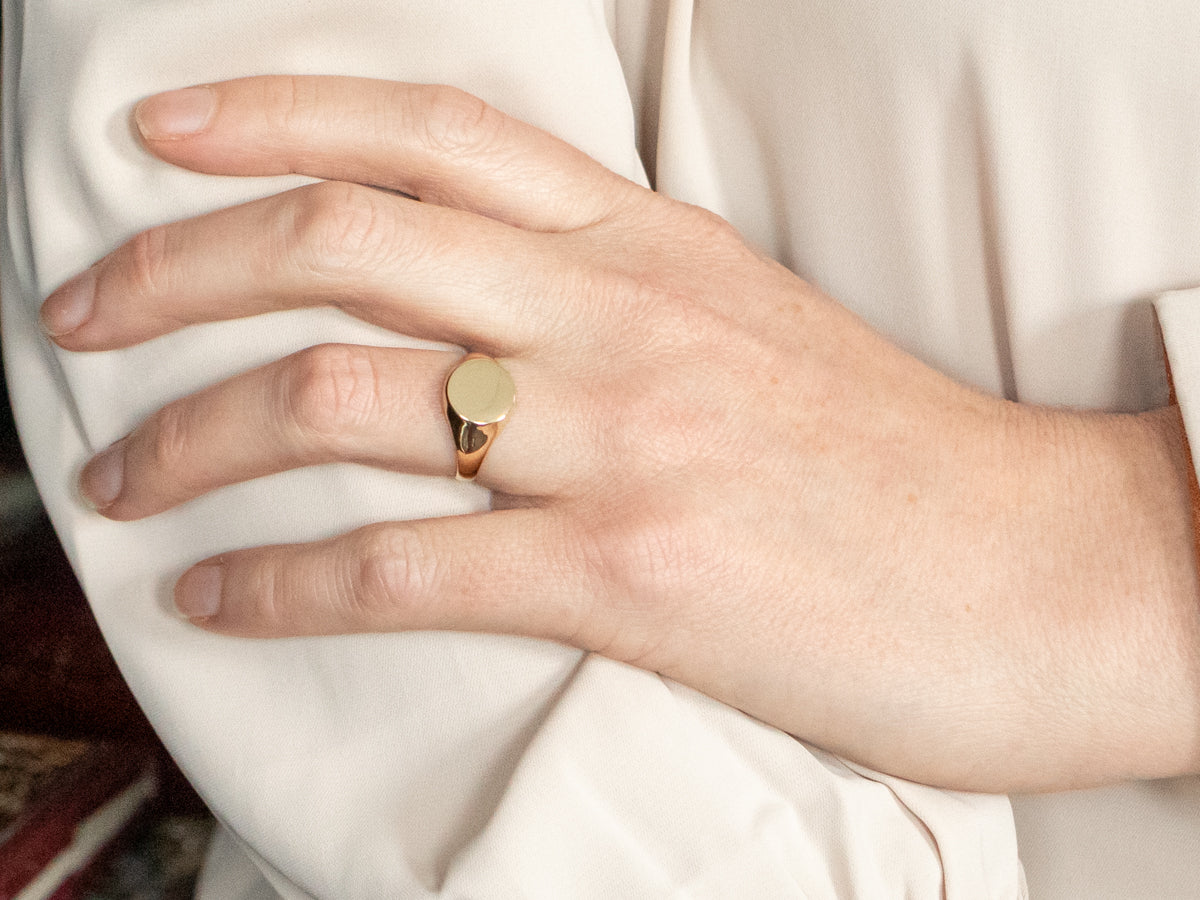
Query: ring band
[[479, 394]]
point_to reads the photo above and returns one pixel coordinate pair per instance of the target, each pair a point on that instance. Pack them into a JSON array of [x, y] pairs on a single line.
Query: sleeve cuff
[[1179, 319]]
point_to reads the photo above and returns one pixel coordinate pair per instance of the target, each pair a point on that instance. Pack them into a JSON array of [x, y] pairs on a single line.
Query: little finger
[[521, 571]]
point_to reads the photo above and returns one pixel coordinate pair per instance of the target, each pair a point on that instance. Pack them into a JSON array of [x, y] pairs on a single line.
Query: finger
[[423, 271], [331, 403], [515, 571], [436, 143]]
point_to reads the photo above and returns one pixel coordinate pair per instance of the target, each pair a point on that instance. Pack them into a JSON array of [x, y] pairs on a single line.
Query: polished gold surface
[[479, 395], [480, 390]]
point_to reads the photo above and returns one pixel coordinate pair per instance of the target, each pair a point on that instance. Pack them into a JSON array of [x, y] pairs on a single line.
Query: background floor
[[57, 677]]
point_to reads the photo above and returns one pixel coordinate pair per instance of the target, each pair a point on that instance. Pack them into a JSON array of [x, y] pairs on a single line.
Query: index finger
[[436, 143]]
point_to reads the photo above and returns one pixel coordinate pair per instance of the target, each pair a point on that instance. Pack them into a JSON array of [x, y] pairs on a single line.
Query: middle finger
[[426, 271]]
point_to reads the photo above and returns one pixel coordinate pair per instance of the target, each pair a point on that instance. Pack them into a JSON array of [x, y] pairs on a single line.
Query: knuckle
[[656, 429], [644, 556], [335, 229], [685, 239], [292, 104], [171, 445], [331, 393], [707, 228], [454, 122], [394, 570], [262, 594], [150, 267], [616, 297], [643, 569], [696, 228]]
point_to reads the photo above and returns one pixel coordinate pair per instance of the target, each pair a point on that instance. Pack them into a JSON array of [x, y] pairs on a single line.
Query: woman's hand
[[712, 471]]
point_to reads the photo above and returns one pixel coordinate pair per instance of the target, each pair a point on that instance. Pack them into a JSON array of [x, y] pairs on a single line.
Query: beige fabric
[[999, 187]]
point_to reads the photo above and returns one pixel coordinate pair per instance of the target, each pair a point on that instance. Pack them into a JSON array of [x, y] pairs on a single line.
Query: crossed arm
[[713, 470]]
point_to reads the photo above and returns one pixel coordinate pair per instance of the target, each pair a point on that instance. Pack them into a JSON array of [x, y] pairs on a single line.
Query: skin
[[713, 470]]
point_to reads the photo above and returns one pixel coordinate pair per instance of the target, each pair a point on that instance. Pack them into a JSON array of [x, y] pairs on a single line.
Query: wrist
[[1109, 547]]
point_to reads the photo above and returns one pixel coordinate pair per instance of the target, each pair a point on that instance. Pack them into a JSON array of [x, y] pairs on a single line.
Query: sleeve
[[1179, 320], [402, 765]]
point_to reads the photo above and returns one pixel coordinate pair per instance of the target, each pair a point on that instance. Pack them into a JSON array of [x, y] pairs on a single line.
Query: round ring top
[[480, 391]]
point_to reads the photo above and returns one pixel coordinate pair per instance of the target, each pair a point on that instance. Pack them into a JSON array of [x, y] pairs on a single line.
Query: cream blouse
[[1007, 189]]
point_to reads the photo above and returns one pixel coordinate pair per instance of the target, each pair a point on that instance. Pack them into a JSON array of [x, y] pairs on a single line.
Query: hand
[[712, 471]]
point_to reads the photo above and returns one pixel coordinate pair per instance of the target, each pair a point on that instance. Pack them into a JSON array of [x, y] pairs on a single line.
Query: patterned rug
[[160, 863]]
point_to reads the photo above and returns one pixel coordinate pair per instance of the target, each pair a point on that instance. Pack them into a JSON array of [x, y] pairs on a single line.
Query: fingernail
[[70, 306], [198, 591], [176, 113], [103, 477]]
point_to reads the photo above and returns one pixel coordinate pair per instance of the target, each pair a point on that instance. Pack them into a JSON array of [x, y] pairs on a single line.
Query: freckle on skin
[[774, 380], [968, 607], [912, 498]]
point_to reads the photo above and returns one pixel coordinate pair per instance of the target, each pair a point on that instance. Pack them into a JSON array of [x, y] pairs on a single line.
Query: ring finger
[[330, 403]]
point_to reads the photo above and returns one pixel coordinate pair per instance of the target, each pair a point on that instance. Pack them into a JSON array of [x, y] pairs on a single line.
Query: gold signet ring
[[479, 395]]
